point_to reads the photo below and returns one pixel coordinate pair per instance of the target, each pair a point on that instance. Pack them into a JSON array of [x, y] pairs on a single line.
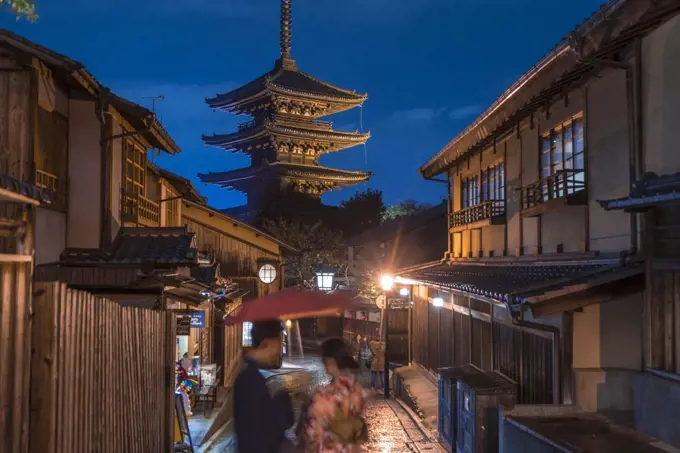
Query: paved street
[[391, 428]]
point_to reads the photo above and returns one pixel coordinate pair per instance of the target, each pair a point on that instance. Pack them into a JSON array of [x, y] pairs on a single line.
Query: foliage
[[363, 210], [22, 8], [316, 244], [405, 208]]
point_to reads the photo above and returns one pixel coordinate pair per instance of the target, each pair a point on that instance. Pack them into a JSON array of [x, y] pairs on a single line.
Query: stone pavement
[[419, 391], [391, 428]]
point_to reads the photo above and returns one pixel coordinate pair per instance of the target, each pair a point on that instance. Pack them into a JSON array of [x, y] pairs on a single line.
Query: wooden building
[[285, 139], [540, 283]]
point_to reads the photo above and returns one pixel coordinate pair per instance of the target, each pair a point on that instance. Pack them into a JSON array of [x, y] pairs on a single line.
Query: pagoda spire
[[286, 29]]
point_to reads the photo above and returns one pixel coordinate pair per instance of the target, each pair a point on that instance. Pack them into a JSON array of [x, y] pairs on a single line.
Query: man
[[260, 421]]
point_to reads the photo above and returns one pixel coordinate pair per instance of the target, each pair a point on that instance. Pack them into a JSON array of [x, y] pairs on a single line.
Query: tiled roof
[[516, 282], [649, 191], [24, 189], [287, 80], [182, 185], [308, 172], [300, 131], [162, 247]]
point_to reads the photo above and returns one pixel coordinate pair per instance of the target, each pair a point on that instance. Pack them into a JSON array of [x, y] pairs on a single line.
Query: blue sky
[[428, 66]]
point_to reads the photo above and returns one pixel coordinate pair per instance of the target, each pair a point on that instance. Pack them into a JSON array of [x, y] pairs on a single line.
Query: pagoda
[[285, 137]]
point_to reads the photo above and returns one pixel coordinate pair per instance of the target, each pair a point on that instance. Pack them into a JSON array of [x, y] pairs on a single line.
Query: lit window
[[267, 274], [247, 334], [562, 159]]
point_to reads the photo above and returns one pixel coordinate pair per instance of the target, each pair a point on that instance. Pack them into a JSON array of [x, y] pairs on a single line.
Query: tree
[[316, 244], [405, 208], [22, 8], [363, 210]]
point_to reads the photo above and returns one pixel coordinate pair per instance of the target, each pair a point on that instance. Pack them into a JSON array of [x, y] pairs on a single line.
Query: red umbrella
[[292, 304]]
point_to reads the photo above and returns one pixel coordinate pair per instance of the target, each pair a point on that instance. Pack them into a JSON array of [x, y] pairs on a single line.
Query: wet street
[[391, 428]]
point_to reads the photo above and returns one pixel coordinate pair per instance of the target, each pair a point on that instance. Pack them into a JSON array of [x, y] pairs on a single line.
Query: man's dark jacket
[[260, 420]]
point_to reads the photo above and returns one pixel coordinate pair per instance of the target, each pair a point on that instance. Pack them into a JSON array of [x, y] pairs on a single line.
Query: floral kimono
[[334, 422]]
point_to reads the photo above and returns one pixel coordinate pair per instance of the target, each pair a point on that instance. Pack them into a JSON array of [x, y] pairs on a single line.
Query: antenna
[[153, 101]]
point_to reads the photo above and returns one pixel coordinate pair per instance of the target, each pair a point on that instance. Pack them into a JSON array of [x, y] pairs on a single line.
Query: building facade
[[540, 283]]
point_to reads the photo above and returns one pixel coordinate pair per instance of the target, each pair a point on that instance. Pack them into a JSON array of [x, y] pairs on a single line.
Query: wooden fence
[[15, 303], [467, 332], [101, 375]]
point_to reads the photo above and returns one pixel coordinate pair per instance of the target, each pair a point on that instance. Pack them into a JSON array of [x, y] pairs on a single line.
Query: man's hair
[[264, 330]]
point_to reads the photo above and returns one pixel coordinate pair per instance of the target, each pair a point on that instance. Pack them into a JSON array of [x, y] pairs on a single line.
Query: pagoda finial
[[286, 29]]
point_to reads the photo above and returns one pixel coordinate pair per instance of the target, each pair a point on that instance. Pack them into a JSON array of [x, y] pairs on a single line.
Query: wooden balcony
[[141, 211], [491, 212], [566, 187], [50, 182]]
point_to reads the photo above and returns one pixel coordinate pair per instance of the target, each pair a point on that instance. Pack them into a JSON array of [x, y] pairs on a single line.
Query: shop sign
[[349, 314], [361, 315], [374, 316], [183, 325], [198, 319]]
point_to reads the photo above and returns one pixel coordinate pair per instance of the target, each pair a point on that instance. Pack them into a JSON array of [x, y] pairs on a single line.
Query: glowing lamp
[[386, 281]]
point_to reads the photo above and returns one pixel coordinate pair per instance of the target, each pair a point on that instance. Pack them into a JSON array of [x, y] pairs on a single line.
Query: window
[[562, 159], [247, 340], [470, 191], [135, 169], [172, 217], [493, 183], [267, 274], [51, 155]]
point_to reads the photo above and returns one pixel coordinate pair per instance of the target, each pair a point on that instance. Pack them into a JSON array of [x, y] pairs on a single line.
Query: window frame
[[132, 187], [487, 185], [554, 143]]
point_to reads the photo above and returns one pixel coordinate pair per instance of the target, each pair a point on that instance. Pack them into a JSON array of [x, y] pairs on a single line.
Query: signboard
[[349, 314], [183, 325], [381, 301], [374, 316], [182, 422], [361, 315], [189, 319], [198, 319]]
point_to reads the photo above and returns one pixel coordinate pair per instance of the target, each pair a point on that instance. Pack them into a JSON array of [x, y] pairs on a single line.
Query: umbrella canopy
[[292, 304]]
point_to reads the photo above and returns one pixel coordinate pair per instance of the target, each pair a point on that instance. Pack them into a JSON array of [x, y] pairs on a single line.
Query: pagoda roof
[[288, 170], [287, 127], [286, 80]]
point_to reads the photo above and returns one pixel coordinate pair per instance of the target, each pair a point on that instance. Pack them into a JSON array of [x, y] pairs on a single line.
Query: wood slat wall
[[237, 259], [101, 375], [443, 337], [15, 355]]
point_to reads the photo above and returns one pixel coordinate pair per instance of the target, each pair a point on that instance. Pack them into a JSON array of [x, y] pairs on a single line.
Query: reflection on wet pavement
[[391, 429]]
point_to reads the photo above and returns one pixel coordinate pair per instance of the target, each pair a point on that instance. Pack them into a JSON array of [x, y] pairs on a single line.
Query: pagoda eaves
[[291, 91], [287, 136]]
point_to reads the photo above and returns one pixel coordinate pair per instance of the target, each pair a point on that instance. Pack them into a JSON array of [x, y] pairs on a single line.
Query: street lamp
[[403, 292], [324, 277], [387, 282], [438, 301]]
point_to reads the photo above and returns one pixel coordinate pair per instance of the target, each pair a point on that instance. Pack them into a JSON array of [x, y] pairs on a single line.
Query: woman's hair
[[336, 349]]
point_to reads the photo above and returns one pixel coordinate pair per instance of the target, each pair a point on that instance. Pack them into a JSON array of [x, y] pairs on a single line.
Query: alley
[[391, 428]]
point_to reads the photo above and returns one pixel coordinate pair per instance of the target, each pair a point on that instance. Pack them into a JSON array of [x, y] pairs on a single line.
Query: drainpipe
[[518, 320], [634, 131], [448, 208], [102, 107]]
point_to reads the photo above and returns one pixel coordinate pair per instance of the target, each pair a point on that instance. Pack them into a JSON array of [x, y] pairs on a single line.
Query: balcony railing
[[564, 184], [141, 210], [50, 182], [486, 210]]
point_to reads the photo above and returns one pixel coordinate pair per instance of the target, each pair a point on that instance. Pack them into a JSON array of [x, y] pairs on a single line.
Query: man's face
[[271, 348]]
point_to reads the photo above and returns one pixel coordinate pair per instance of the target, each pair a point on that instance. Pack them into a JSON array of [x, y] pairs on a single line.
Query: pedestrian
[[333, 422], [377, 364], [261, 420]]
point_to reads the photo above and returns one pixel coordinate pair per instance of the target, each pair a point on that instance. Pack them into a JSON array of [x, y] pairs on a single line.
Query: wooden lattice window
[[51, 155], [172, 217], [135, 169]]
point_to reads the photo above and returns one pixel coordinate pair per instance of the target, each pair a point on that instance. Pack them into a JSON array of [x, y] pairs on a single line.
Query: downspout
[[633, 131], [102, 107], [517, 317]]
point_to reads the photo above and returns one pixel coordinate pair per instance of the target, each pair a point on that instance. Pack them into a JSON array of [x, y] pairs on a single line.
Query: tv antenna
[[153, 101]]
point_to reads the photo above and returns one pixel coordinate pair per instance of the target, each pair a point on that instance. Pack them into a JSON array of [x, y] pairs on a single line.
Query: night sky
[[429, 68]]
